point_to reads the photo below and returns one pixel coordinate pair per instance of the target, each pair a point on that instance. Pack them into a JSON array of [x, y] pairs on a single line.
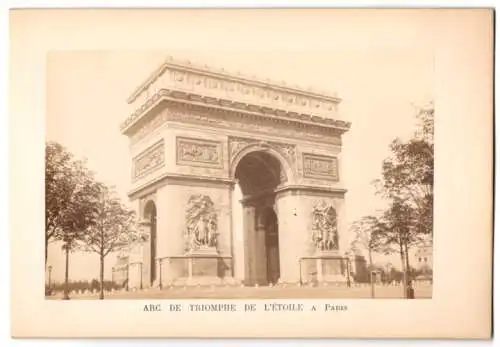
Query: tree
[[114, 230], [408, 174], [71, 193], [364, 230], [395, 233], [58, 189], [407, 183]]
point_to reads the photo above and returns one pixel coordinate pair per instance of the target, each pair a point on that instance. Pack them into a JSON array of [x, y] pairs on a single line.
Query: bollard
[[410, 292]]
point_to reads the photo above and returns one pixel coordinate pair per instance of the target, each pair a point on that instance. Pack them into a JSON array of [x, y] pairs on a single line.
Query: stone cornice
[[229, 105], [188, 67], [307, 189], [170, 178]]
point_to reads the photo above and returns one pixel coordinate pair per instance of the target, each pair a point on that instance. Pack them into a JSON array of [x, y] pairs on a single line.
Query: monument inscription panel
[[320, 166]]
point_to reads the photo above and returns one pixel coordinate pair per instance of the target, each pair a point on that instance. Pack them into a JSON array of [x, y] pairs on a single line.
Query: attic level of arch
[[196, 98], [182, 108]]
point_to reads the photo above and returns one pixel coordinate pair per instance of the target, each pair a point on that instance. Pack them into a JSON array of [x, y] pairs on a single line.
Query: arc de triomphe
[[236, 180]]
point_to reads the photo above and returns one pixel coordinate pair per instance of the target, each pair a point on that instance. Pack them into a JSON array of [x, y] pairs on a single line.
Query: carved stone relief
[[324, 227], [198, 152], [201, 223], [319, 166], [149, 160], [287, 150], [236, 144]]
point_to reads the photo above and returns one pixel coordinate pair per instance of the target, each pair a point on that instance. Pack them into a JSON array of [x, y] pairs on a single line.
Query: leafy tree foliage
[[408, 174], [114, 229], [407, 183], [70, 195]]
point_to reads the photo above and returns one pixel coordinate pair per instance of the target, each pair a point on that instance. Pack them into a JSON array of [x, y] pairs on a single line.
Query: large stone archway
[[240, 170], [258, 176]]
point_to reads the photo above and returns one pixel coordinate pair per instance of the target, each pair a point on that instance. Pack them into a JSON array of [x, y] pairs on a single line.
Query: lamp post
[[348, 271], [50, 278], [141, 274], [128, 276], [372, 284], [160, 263]]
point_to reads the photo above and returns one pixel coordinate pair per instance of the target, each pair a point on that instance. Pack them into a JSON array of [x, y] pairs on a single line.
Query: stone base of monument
[[205, 267], [197, 281], [331, 268]]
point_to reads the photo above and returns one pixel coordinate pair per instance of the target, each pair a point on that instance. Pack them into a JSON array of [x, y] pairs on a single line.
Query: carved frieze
[[248, 91], [234, 120], [197, 152], [320, 166], [184, 76], [324, 227], [149, 160]]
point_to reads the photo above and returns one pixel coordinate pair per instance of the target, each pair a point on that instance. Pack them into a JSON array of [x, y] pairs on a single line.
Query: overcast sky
[[87, 92]]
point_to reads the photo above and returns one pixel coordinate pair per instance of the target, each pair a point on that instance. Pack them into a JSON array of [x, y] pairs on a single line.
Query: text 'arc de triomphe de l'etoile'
[[235, 180]]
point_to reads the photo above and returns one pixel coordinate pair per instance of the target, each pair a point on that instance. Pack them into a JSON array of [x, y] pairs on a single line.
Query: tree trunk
[[66, 274], [403, 266], [408, 268], [372, 285], [46, 250], [101, 277]]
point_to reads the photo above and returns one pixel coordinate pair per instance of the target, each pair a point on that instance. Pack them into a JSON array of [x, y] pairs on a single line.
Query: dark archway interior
[[258, 172], [272, 245], [150, 214]]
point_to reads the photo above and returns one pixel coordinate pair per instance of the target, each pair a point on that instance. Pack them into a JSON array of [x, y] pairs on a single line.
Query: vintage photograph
[[251, 173], [229, 174]]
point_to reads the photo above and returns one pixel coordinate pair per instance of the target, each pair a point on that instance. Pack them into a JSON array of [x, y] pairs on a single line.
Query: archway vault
[[286, 163]]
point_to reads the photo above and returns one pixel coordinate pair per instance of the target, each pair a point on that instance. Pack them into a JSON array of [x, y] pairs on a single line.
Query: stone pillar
[[146, 253], [169, 229], [182, 263], [249, 243], [292, 229], [260, 253], [239, 251]]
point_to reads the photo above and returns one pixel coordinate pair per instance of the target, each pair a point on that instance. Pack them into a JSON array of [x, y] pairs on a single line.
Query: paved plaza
[[290, 292]]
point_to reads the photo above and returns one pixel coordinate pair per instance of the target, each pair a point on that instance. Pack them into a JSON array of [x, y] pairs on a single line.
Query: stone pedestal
[[204, 266], [203, 262], [331, 267]]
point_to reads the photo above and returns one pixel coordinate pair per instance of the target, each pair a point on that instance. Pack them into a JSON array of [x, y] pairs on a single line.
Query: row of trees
[[93, 285], [83, 213], [406, 183]]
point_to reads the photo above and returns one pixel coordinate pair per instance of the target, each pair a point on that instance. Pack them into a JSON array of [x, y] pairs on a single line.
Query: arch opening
[[258, 174]]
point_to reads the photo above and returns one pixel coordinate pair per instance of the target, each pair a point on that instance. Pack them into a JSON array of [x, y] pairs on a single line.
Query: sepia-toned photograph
[[236, 173], [180, 179]]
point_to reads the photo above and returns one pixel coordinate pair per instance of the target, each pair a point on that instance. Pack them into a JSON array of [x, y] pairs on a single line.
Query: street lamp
[[141, 274], [50, 278], [347, 269], [128, 277]]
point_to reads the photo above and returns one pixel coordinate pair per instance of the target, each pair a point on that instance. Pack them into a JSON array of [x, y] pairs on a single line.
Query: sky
[[87, 92]]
